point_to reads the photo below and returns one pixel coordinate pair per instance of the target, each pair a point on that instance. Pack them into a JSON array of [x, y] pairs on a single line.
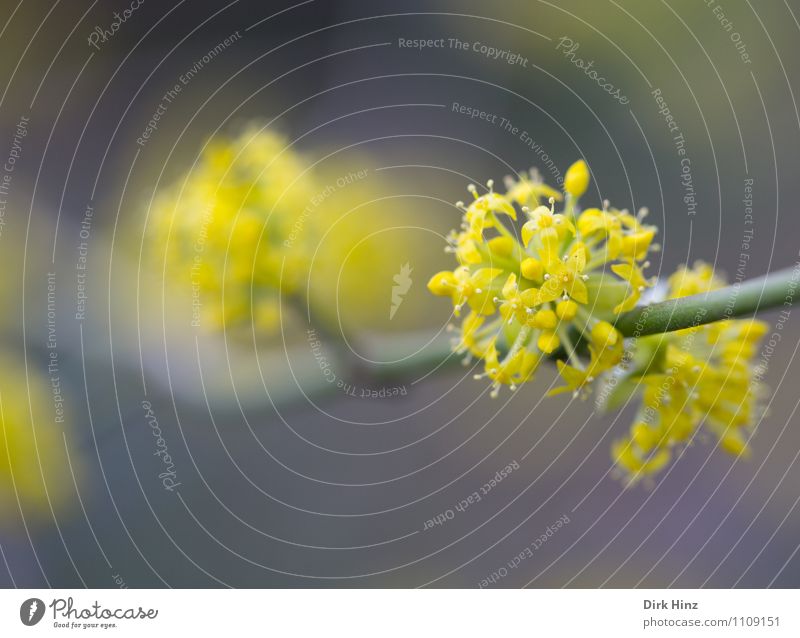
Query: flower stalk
[[737, 300]]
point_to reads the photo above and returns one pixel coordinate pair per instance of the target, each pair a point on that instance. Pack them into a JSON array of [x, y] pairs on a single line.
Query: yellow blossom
[[534, 292], [464, 286], [479, 215], [529, 190], [565, 278]]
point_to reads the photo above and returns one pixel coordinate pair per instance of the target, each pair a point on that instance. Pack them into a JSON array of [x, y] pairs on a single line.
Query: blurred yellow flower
[[35, 475], [693, 377], [235, 230]]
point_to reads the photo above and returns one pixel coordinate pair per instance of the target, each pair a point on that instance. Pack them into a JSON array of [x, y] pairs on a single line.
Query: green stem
[[747, 298]]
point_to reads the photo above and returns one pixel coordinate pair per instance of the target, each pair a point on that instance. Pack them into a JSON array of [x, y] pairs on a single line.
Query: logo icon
[[31, 611], [402, 284]]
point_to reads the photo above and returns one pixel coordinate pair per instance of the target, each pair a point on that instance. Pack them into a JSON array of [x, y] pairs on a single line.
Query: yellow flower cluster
[[532, 291], [700, 375], [565, 276], [233, 229]]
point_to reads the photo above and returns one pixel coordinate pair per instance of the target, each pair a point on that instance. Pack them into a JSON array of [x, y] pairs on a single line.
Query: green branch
[[745, 299]]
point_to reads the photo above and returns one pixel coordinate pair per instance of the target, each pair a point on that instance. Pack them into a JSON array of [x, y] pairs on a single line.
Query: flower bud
[[532, 269], [576, 181], [548, 342], [566, 310]]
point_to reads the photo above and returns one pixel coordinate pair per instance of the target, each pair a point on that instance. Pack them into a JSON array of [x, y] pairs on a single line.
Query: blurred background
[[150, 446]]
